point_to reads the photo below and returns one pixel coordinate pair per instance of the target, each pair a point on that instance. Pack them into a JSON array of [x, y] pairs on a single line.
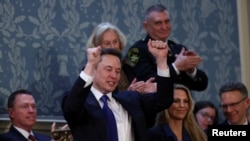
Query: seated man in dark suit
[[129, 110], [234, 103], [22, 112]]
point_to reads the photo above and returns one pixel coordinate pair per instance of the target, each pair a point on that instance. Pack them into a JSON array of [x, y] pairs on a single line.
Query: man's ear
[[10, 111], [248, 101]]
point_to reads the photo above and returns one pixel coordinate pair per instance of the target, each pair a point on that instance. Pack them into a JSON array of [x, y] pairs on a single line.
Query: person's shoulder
[[223, 123], [4, 135], [140, 44], [140, 41], [127, 95], [156, 133], [12, 132], [8, 136], [175, 45], [134, 53], [157, 128]]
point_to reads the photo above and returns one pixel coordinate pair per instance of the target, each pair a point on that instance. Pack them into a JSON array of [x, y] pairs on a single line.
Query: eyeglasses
[[232, 105], [206, 115]]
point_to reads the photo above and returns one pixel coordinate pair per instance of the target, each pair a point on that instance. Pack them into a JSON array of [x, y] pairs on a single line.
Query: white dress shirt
[[24, 132], [123, 120]]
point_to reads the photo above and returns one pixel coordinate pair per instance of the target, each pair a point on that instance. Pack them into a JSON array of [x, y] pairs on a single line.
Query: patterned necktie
[[32, 138], [110, 120]]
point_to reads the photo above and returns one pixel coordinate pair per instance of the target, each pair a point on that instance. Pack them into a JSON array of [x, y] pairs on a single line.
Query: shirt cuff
[[164, 72], [192, 74], [176, 70], [87, 78]]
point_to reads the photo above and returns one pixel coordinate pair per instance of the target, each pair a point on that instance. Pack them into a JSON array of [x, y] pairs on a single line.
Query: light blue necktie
[[110, 120]]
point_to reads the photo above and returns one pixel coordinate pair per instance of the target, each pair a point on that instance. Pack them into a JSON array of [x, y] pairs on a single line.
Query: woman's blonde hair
[[191, 126], [96, 36]]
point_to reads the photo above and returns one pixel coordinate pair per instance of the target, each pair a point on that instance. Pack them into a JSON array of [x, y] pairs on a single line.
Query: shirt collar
[[23, 132], [245, 123], [98, 94]]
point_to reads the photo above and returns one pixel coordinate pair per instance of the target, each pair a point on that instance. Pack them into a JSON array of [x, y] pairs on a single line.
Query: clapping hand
[[136, 86], [143, 87], [187, 61], [150, 86]]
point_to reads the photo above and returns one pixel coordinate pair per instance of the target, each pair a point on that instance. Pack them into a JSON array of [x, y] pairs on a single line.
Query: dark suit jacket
[[15, 135], [87, 122], [159, 133], [224, 123]]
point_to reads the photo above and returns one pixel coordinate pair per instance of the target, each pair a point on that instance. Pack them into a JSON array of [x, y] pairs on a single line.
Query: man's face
[[158, 25], [107, 74], [24, 112], [234, 107]]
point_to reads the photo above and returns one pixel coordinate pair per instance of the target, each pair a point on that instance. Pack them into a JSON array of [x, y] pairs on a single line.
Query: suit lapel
[[17, 134], [94, 108]]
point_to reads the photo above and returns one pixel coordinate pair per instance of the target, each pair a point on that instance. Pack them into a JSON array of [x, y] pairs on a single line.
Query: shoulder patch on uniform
[[133, 57]]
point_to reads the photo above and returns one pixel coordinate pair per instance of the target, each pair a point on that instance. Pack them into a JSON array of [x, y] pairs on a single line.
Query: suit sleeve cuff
[[192, 75], [176, 70], [87, 78]]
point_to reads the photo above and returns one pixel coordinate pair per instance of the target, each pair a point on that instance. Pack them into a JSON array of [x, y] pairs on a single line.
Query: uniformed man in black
[[140, 64]]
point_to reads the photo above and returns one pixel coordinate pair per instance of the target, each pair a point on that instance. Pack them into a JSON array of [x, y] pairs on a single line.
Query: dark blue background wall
[[42, 42]]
